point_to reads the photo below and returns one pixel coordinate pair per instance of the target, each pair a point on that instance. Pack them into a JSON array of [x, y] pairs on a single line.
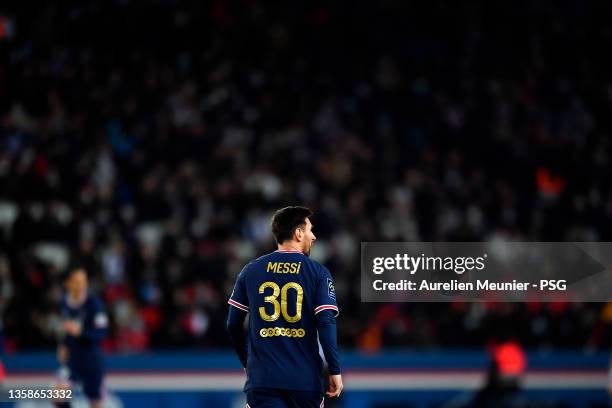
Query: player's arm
[[62, 353], [326, 327], [239, 307], [237, 334], [326, 311]]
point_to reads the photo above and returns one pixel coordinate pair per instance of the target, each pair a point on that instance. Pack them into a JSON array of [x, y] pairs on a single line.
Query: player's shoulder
[[249, 265], [245, 269], [316, 265], [257, 263]]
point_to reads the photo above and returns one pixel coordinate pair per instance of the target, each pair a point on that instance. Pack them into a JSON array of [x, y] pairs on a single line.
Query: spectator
[[153, 151]]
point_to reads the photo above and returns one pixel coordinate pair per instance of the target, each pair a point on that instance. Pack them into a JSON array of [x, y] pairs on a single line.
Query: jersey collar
[[75, 303], [288, 251]]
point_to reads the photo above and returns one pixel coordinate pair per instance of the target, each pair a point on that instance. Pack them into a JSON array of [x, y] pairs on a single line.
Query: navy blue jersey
[[283, 291], [85, 354]]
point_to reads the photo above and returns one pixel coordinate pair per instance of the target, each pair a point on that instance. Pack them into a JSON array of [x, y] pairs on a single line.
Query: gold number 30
[[282, 306]]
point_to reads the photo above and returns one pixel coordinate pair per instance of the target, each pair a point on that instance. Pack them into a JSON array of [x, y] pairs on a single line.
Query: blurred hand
[[62, 354], [335, 386], [72, 327]]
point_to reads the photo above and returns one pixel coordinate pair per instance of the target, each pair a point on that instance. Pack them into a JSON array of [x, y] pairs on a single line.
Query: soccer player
[[85, 324], [291, 303]]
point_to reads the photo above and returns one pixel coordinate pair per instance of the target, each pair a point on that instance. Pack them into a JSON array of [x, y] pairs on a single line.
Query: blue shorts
[[279, 398], [90, 381]]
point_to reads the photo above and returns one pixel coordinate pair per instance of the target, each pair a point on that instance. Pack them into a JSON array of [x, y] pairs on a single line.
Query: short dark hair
[[286, 220], [72, 269]]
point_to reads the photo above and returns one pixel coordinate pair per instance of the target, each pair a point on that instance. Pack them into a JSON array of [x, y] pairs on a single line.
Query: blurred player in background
[[85, 324], [293, 304]]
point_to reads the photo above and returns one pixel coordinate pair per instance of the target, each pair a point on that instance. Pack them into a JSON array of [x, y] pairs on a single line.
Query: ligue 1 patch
[[331, 291]]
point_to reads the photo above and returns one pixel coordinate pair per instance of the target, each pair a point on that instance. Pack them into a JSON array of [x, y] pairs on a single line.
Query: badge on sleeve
[[100, 320], [331, 291]]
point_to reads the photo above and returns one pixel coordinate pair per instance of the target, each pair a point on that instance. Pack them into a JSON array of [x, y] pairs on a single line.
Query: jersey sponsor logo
[[331, 290], [284, 267], [281, 331]]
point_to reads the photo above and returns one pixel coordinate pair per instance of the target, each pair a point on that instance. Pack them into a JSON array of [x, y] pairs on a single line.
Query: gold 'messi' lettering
[[284, 267]]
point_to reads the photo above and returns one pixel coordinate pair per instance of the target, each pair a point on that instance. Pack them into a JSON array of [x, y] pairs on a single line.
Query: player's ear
[[298, 233]]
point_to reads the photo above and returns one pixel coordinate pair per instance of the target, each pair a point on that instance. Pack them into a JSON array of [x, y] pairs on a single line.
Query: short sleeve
[[239, 298], [325, 296]]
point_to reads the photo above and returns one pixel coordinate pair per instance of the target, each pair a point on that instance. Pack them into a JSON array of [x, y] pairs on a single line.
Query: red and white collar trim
[[288, 251]]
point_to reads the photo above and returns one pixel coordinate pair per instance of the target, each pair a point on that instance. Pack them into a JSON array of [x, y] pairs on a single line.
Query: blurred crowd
[[151, 144]]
